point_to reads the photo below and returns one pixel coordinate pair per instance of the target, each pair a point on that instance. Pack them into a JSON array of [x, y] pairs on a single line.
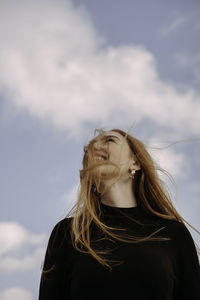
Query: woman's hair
[[150, 193]]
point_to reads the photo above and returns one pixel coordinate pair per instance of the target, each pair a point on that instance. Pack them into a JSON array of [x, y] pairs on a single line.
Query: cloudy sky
[[68, 67]]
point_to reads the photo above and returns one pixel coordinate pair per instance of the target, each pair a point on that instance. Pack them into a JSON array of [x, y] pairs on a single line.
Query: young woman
[[125, 240]]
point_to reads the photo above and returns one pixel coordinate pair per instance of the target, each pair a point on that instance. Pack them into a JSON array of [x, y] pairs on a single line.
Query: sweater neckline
[[115, 210]]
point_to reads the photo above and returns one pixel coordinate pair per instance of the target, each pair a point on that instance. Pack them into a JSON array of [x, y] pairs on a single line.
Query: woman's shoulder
[[177, 230], [60, 232], [63, 223], [173, 224]]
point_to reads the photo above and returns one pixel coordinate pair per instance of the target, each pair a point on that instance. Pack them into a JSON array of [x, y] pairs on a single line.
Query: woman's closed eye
[[109, 140]]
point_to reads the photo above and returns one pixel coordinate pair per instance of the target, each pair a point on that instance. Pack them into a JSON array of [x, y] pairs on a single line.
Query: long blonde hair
[[149, 191]]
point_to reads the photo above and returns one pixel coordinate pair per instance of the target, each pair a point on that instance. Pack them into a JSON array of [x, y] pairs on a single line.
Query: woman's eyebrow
[[113, 136]]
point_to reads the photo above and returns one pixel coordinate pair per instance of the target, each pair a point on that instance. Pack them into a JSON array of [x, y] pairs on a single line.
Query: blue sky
[[68, 67]]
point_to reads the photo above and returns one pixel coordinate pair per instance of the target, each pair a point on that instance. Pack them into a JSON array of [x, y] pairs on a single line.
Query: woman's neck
[[119, 194]]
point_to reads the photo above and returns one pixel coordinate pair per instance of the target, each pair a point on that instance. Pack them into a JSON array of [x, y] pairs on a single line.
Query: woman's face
[[115, 148]]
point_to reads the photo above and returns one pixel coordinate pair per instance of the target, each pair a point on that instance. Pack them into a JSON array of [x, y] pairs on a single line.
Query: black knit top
[[158, 270]]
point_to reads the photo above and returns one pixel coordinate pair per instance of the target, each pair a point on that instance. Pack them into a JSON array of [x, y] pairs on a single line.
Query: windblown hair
[[149, 191]]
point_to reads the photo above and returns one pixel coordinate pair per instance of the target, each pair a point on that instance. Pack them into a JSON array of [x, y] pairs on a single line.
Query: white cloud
[[14, 236], [56, 67], [171, 161], [17, 293], [28, 262], [20, 250]]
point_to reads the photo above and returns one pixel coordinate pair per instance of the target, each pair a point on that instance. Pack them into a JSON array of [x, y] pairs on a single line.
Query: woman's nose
[[98, 145], [100, 148]]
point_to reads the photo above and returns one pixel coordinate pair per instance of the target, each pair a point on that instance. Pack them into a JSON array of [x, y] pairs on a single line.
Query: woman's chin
[[108, 171]]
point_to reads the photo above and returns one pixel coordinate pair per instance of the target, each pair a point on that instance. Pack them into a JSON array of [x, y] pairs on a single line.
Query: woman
[[125, 240]]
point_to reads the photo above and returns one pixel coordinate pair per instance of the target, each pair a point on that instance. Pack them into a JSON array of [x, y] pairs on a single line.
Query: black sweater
[[158, 270]]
